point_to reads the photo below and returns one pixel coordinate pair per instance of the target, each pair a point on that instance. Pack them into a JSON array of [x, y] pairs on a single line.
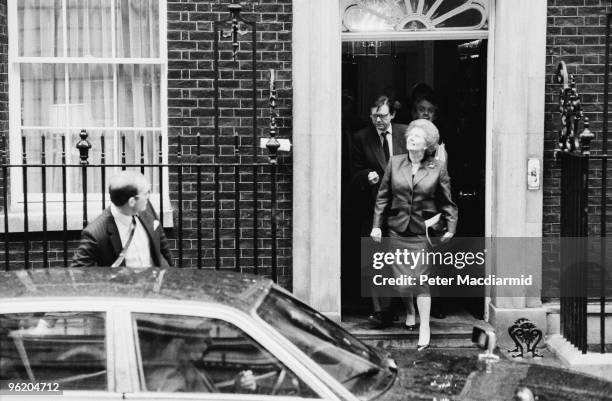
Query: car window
[[68, 348], [195, 354], [358, 367]]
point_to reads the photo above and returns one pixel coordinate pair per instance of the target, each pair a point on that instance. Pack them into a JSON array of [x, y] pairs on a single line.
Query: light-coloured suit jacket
[[407, 201]]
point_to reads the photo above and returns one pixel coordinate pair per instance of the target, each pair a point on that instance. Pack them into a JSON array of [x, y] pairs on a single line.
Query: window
[[68, 348], [195, 354], [98, 65]]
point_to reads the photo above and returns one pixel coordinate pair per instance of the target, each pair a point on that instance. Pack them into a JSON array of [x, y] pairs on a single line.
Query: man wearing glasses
[[372, 148], [128, 232]]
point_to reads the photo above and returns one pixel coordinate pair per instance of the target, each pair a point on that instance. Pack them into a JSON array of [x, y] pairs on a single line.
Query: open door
[[456, 70]]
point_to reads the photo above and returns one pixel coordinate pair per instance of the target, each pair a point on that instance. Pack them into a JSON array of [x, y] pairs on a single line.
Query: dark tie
[[385, 146], [121, 256]]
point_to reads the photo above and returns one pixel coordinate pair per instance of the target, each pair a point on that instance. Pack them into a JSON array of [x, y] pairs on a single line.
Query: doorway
[[457, 71]]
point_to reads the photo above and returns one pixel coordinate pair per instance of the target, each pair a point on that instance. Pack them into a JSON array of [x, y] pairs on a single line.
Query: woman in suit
[[415, 187]]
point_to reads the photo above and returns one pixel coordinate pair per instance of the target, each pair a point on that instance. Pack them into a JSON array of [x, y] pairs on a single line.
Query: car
[[174, 334]]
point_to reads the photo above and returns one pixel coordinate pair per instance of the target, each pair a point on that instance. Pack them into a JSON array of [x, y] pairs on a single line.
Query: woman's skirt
[[416, 248]]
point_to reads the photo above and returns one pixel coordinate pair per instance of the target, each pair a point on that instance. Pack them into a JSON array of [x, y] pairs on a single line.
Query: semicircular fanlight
[[412, 15], [359, 19], [412, 24]]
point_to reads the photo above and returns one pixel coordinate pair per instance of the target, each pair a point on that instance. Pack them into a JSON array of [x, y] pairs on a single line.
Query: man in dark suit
[[128, 232], [372, 148]]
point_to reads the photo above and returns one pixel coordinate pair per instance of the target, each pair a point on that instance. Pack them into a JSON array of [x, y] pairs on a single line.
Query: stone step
[[409, 342], [455, 331]]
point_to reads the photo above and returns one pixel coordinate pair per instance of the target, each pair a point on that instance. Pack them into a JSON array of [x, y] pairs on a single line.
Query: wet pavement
[[456, 374]]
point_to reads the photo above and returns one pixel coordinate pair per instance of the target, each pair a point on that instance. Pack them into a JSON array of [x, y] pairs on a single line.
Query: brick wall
[[190, 111], [575, 34]]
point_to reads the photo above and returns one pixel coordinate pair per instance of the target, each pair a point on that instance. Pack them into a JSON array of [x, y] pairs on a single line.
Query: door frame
[[517, 32], [454, 35]]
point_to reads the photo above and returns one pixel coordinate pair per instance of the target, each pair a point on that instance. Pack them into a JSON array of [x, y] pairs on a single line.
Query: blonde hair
[[432, 135]]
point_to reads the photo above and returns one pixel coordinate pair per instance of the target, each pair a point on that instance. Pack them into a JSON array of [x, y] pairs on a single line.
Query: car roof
[[205, 285]]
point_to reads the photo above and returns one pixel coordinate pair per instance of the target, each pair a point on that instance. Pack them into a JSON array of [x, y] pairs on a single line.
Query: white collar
[[119, 217], [389, 130]]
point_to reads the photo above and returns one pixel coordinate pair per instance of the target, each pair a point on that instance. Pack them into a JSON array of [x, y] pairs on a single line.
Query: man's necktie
[[385, 146], [121, 256]]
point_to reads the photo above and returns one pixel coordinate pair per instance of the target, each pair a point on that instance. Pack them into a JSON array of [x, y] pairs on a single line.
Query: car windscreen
[[359, 368]]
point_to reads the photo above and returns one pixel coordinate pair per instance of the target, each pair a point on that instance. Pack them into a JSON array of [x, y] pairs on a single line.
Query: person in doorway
[[372, 148], [128, 232], [414, 185], [424, 105]]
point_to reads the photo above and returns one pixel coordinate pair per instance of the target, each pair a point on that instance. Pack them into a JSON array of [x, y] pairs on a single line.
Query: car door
[[62, 349], [210, 353]]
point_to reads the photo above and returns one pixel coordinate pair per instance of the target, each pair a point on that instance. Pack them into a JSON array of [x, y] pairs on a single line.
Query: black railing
[[574, 200], [584, 262], [231, 191]]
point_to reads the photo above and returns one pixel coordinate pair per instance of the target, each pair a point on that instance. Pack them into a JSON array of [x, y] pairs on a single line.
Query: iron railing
[[244, 185], [251, 181], [583, 279], [574, 200]]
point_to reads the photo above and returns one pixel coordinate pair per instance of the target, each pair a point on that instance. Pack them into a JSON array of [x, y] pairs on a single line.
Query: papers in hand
[[432, 221]]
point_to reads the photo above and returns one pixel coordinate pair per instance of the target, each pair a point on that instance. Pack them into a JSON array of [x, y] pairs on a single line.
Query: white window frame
[[74, 200]]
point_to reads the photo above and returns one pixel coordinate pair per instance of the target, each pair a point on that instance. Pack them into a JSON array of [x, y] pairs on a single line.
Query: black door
[[461, 73]]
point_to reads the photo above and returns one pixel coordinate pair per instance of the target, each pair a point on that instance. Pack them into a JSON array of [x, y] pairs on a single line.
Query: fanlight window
[[414, 15]]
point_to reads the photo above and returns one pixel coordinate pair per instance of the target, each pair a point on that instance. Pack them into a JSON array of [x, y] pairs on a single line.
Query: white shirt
[[441, 153], [389, 139], [138, 253]]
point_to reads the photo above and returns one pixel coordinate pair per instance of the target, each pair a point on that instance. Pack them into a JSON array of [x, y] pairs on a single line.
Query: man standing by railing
[[128, 232]]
